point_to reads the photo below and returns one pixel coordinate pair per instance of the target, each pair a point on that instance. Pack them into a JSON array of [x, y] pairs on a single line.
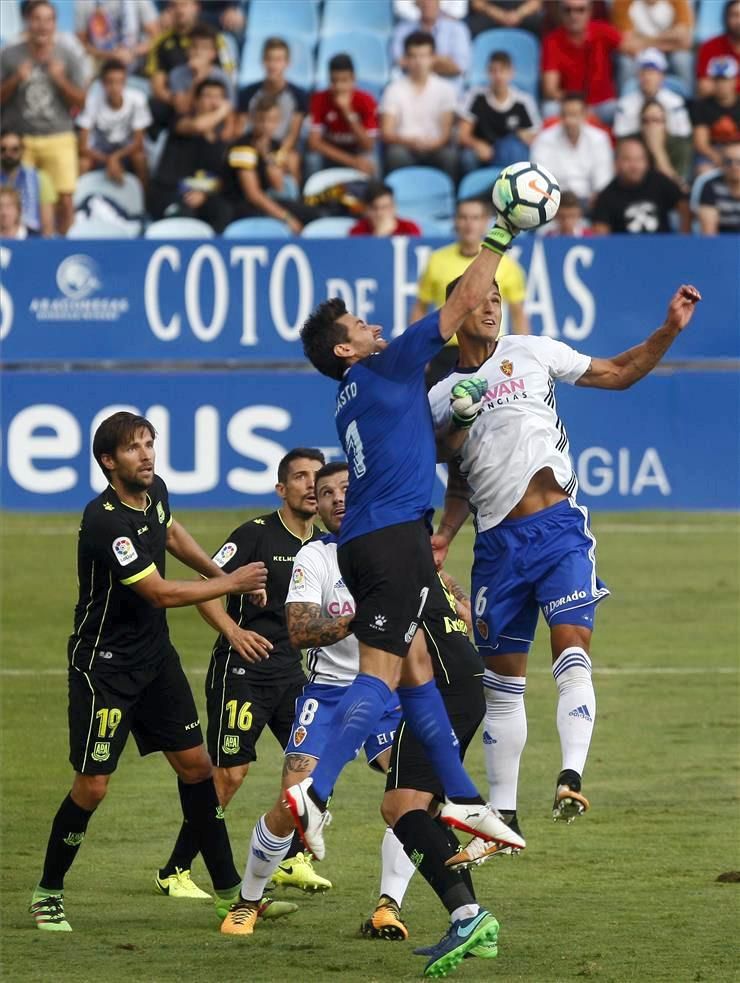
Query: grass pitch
[[629, 892]]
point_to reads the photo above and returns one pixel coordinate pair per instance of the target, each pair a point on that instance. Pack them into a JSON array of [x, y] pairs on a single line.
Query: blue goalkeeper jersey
[[385, 425]]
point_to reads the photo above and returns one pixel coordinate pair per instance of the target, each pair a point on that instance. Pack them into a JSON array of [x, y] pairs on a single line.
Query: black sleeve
[[602, 207], [239, 548], [301, 98], [708, 194], [701, 114], [246, 95], [671, 192], [114, 542]]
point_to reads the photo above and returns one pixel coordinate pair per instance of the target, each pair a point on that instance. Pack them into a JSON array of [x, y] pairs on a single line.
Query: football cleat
[[48, 912], [569, 804], [241, 915], [298, 872], [461, 938], [478, 850], [308, 817], [386, 922], [481, 821], [179, 885]]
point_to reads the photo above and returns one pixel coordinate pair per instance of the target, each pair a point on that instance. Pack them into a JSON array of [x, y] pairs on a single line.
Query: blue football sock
[[425, 713], [359, 710]]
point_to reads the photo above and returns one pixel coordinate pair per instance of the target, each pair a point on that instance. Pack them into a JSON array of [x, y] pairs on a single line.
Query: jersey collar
[[301, 541], [132, 507]]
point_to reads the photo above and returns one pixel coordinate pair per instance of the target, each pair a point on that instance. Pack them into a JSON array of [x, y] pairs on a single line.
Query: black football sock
[[65, 839], [454, 846], [184, 852], [296, 847], [427, 848], [202, 811]]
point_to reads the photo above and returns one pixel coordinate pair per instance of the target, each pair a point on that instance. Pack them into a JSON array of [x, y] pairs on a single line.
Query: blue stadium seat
[[129, 195], [709, 22], [274, 18], [368, 15], [95, 228], [300, 70], [524, 49], [179, 228], [257, 228], [331, 227], [478, 182], [424, 192], [368, 51], [11, 24], [698, 186]]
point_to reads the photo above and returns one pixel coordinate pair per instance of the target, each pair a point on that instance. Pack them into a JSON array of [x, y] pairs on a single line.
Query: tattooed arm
[[307, 628]]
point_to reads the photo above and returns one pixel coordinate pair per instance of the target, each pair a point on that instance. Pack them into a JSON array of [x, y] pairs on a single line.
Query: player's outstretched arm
[[623, 371], [251, 646], [161, 593], [308, 629], [182, 546], [455, 512]]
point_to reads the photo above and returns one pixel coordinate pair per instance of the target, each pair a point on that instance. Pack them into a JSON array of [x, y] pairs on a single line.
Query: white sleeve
[[563, 362], [603, 162], [142, 116], [306, 581], [86, 119], [439, 403], [389, 101]]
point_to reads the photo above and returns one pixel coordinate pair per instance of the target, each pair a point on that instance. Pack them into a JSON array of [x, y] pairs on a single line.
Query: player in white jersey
[[534, 549]]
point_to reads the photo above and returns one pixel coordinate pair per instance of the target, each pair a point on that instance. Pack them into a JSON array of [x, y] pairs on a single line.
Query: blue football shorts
[[314, 723], [545, 561]]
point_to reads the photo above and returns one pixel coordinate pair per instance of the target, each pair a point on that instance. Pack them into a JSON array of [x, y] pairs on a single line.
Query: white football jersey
[[518, 431], [316, 579]]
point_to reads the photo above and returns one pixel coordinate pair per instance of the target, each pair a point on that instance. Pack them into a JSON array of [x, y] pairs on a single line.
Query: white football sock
[[576, 706], [396, 870], [464, 911], [265, 854], [504, 736]]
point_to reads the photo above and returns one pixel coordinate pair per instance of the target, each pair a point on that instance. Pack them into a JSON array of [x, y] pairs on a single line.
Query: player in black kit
[[124, 674], [243, 695]]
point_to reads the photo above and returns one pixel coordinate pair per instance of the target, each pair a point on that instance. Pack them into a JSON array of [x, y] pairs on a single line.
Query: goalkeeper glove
[[466, 400], [501, 235]]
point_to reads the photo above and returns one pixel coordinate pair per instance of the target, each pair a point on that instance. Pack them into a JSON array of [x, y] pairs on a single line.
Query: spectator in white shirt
[[112, 126], [417, 112], [579, 154], [409, 10], [652, 66], [452, 46]]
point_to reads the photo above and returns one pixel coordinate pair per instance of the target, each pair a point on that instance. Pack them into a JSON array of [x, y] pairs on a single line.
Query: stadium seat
[[299, 18], [709, 21], [423, 192], [332, 227], [129, 196], [257, 228], [672, 82], [300, 70], [370, 15], [524, 49], [11, 24], [367, 50], [478, 182], [179, 228], [95, 228], [329, 177]]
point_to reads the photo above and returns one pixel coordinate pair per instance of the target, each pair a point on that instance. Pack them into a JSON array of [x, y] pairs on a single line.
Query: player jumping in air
[[534, 549], [384, 553]]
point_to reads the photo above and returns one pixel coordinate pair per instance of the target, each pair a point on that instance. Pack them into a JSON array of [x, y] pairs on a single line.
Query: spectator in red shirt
[[724, 44], [380, 215], [577, 57], [344, 123]]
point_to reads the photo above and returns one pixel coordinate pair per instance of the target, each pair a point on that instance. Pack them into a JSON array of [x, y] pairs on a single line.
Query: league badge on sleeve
[[226, 553], [124, 551], [160, 512], [299, 580]]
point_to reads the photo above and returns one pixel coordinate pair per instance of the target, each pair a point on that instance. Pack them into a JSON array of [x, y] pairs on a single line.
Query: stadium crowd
[[224, 111]]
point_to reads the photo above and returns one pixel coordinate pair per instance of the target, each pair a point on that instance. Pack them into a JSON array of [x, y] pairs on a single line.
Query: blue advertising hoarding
[[221, 301], [671, 442]]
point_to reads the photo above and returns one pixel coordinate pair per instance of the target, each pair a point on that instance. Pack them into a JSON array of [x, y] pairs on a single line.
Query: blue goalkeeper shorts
[[314, 723], [543, 562]]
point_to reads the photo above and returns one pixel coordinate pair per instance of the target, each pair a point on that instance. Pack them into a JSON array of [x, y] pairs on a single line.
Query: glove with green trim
[[466, 400], [501, 235]]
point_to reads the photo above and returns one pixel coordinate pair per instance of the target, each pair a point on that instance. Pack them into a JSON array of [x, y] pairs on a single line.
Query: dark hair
[[573, 97], [502, 57], [311, 453], [726, 14], [210, 84], [333, 467], [475, 200], [341, 63], [264, 103], [418, 39], [453, 283], [112, 65], [569, 199], [114, 432], [28, 7], [632, 138], [205, 32], [274, 44], [375, 190], [11, 132], [320, 333], [652, 102]]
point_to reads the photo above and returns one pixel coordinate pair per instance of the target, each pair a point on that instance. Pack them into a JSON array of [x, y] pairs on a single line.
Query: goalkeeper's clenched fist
[[466, 399]]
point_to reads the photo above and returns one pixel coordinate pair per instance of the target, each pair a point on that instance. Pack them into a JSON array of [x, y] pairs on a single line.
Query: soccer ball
[[526, 195]]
